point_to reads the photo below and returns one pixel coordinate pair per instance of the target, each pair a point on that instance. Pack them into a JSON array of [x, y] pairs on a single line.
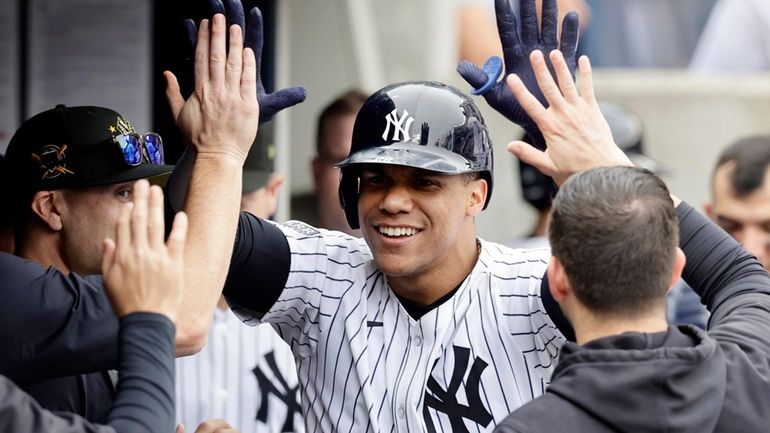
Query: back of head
[[421, 124], [615, 231], [750, 158]]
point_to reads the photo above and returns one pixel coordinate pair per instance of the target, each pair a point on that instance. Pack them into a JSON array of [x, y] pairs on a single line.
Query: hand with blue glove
[[517, 48], [269, 103]]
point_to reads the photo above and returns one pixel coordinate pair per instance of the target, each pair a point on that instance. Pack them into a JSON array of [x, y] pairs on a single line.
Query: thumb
[[180, 428], [173, 94], [472, 74], [534, 157]]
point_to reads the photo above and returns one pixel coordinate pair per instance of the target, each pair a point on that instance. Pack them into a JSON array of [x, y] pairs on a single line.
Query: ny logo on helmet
[[400, 131]]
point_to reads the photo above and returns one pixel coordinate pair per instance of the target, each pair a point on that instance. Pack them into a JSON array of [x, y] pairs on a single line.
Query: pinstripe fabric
[[365, 365], [221, 381]]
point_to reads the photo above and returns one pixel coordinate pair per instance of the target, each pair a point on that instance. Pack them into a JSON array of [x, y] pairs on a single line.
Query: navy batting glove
[[269, 103], [516, 50]]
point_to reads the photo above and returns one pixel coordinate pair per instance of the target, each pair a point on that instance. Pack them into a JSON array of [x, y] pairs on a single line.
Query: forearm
[[212, 205], [144, 401]]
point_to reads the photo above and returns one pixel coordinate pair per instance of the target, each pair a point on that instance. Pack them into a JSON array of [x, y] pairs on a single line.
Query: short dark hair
[[347, 103], [751, 156], [615, 231]]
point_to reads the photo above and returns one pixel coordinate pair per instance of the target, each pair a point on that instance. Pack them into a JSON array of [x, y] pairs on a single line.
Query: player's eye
[[124, 194], [374, 180], [426, 182]]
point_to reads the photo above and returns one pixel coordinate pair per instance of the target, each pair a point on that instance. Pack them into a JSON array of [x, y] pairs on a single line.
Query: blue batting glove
[[269, 103], [516, 50]]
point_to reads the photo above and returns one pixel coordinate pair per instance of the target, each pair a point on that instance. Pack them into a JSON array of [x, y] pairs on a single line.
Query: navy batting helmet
[[421, 124]]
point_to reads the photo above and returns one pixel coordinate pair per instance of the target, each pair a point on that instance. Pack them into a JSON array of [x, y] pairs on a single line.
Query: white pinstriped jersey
[[365, 365], [244, 375]]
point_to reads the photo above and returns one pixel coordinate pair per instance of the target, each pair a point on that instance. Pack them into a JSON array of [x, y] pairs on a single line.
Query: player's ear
[[478, 195], [558, 283], [46, 206], [708, 207], [676, 271]]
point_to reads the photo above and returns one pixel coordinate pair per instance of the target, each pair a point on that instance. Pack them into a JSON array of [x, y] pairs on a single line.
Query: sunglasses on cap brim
[[138, 148]]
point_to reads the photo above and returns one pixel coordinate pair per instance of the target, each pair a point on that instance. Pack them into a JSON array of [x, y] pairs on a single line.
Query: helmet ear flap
[[348, 192]]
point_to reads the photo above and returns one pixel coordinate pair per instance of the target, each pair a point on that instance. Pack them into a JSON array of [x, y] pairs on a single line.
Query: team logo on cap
[[121, 126], [400, 125], [53, 161]]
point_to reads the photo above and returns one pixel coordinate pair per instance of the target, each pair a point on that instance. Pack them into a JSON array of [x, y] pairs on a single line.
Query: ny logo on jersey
[[400, 130], [445, 400], [289, 396]]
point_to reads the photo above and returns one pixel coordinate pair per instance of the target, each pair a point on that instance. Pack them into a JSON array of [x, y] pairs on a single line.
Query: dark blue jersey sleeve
[[53, 325]]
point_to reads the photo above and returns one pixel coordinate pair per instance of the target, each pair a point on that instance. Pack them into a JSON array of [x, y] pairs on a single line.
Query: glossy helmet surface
[[421, 124]]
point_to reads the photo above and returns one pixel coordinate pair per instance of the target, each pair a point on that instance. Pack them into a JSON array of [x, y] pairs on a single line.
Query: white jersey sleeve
[[320, 259]]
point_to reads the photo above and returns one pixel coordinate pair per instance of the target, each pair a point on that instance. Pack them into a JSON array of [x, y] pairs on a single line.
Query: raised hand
[[221, 115], [141, 272], [577, 136], [269, 103], [516, 50]]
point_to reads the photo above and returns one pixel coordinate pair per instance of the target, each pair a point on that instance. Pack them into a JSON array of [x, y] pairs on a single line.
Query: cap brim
[[157, 174], [429, 158], [254, 179]]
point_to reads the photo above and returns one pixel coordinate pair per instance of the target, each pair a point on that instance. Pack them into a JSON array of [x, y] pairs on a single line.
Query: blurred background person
[[736, 38], [740, 201], [333, 138]]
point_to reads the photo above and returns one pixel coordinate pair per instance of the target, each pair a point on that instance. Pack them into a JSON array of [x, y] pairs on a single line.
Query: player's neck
[[589, 327], [43, 250], [430, 285]]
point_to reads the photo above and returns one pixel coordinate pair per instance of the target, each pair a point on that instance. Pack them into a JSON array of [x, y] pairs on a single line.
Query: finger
[[201, 66], [216, 7], [178, 236], [532, 156], [212, 425], [566, 82], [234, 15], [180, 428], [249, 76], [123, 231], [526, 99], [234, 59], [529, 34], [173, 94], [569, 34], [586, 80], [141, 199], [155, 218], [217, 51], [108, 255], [508, 29], [550, 22], [254, 36], [544, 79], [474, 75], [192, 32]]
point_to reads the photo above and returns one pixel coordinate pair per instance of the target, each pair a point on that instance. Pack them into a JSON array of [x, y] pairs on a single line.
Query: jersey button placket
[[400, 412]]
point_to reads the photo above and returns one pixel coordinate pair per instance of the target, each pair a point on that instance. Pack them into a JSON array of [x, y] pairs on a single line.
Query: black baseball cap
[[74, 147], [260, 162]]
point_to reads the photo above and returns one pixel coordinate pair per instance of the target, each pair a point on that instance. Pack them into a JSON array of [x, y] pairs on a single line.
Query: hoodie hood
[[672, 381]]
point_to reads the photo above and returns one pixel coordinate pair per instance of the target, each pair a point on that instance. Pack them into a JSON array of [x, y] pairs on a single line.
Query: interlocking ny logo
[[445, 400], [400, 131], [289, 396]]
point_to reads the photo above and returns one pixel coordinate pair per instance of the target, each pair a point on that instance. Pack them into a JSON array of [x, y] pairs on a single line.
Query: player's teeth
[[398, 231]]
